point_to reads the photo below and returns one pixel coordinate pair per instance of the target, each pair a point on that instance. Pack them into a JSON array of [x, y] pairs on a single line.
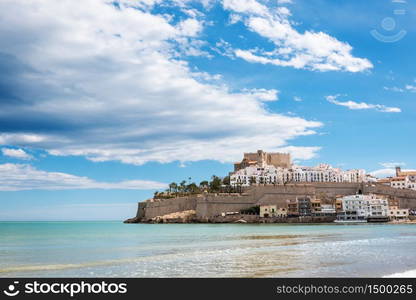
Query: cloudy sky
[[104, 102]]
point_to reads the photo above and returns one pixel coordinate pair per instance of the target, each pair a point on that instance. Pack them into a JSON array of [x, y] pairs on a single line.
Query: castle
[[261, 158]]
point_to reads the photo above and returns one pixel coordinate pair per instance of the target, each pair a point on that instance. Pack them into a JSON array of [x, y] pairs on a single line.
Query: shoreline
[[252, 219]]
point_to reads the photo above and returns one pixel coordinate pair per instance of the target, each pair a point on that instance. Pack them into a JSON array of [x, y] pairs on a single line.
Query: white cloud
[[190, 27], [300, 153], [108, 84], [234, 18], [263, 94], [246, 6], [16, 153], [387, 172], [394, 89], [389, 169], [284, 1], [19, 177], [392, 165], [407, 87], [297, 99], [362, 105], [411, 88], [309, 50]]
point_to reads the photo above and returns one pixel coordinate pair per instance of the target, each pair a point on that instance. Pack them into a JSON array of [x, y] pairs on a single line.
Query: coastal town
[[268, 188], [261, 168]]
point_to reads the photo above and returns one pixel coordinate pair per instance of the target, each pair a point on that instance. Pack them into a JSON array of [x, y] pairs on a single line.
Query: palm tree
[[183, 186], [173, 187]]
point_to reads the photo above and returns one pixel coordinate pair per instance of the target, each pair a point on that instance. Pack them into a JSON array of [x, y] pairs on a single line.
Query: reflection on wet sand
[[272, 261], [268, 237], [283, 236], [266, 264]]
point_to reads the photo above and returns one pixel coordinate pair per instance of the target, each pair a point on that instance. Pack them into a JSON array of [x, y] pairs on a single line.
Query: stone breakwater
[[208, 207]]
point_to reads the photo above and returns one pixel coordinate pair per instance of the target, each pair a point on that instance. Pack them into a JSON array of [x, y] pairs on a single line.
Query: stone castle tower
[[262, 158]]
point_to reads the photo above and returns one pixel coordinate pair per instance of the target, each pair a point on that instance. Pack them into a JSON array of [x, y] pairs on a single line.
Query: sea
[[114, 249]]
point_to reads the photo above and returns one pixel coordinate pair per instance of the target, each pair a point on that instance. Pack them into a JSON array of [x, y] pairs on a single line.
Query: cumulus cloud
[[19, 177], [308, 50], [392, 164], [387, 172], [104, 80], [16, 153], [394, 89], [362, 105], [410, 87], [263, 94]]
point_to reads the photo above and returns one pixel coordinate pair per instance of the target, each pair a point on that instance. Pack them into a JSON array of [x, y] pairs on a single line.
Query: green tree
[[182, 186], [192, 188], [215, 184], [226, 180], [204, 184], [173, 187]]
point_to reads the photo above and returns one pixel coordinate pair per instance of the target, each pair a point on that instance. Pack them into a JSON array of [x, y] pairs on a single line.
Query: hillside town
[[262, 168], [276, 168], [267, 187]]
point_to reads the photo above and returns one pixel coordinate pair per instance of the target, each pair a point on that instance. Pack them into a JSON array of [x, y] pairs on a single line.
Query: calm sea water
[[113, 249]]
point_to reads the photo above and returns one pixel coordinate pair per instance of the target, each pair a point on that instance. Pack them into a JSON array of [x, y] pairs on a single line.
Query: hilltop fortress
[[208, 207]]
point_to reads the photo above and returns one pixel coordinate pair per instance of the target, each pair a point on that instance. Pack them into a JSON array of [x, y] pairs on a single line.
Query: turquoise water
[[114, 249]]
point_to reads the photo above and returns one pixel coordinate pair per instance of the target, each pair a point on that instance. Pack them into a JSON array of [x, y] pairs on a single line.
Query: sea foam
[[407, 274]]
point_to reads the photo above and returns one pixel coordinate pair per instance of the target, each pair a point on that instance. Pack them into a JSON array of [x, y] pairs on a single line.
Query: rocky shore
[[189, 216]]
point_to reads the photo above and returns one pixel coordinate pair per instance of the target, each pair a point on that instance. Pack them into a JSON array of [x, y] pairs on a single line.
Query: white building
[[272, 211], [327, 209], [396, 213], [403, 182], [267, 174], [362, 207]]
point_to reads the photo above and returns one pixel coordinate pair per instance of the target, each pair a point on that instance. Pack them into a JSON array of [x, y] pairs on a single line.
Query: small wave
[[407, 274], [55, 267]]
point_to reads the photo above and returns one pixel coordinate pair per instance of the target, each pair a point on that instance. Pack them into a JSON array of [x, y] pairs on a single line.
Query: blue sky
[[103, 103]]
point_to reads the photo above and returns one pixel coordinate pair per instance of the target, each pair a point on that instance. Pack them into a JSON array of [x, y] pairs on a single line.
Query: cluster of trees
[[215, 185]]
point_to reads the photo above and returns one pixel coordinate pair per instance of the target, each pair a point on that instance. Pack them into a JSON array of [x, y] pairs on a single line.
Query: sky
[[104, 102]]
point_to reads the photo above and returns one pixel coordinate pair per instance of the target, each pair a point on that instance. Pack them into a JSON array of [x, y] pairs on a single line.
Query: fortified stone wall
[[210, 205], [167, 206], [335, 189], [278, 195]]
